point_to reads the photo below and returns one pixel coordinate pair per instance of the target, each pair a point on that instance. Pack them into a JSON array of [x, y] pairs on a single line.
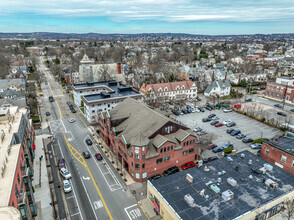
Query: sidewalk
[[148, 208], [41, 183]]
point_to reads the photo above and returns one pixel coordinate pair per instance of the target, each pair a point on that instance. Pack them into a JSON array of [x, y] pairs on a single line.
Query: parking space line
[[78, 213], [70, 197], [73, 190]]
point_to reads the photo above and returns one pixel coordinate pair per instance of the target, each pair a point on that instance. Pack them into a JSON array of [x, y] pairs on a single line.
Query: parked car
[[69, 104], [229, 131], [98, 156], [201, 109], [73, 110], [201, 132], [212, 158], [188, 106], [189, 111], [231, 124], [248, 100], [171, 170], [247, 140], [61, 163], [176, 112], [155, 177], [217, 149], [206, 119], [205, 160], [66, 186], [89, 142], [47, 113], [256, 146], [218, 125], [214, 122], [199, 99], [51, 99], [228, 145], [208, 108], [193, 110], [282, 114], [65, 173], [71, 120], [215, 118], [86, 154], [235, 132], [211, 146], [228, 110], [197, 129], [241, 136], [211, 115], [188, 165], [278, 105], [227, 122], [197, 110], [292, 110]]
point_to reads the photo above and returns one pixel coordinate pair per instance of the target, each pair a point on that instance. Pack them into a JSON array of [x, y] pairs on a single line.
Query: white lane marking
[[98, 204], [75, 214], [89, 198], [86, 178], [73, 190], [134, 213], [70, 197], [60, 149]]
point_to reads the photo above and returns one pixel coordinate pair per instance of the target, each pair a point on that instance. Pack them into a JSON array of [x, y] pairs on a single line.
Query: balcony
[[24, 170], [21, 197], [34, 209]]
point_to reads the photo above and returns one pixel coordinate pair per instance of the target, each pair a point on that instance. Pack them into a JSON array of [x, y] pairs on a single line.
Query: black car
[[201, 109], [229, 131], [212, 158], [206, 119], [198, 99], [73, 110], [205, 160], [235, 132], [214, 122], [86, 154], [51, 99], [47, 113], [89, 142], [211, 115], [155, 177], [278, 106], [69, 104], [208, 108], [282, 114], [248, 100], [231, 124], [171, 170], [175, 112], [247, 140], [292, 110]]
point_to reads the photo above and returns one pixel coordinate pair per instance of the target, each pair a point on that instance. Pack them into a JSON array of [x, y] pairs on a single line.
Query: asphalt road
[[98, 191]]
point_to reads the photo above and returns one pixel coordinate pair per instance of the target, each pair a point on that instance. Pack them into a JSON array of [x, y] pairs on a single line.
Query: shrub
[[257, 141], [36, 119], [263, 120], [283, 128], [228, 150]]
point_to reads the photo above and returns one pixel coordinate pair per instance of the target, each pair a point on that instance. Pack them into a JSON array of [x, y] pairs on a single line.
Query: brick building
[[283, 88], [145, 141], [279, 152], [16, 159], [169, 91]]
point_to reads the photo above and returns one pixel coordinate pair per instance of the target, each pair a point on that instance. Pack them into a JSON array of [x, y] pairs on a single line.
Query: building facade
[[169, 91], [101, 96], [17, 156], [144, 141], [218, 87], [279, 152], [282, 89]]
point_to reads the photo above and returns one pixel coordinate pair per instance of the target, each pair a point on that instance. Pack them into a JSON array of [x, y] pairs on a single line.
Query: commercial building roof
[[286, 144], [251, 191]]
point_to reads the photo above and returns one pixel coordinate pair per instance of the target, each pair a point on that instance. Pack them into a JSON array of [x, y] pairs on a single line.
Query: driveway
[[248, 126]]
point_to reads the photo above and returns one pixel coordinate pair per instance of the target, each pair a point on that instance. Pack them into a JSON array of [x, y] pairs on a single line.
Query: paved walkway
[[41, 183]]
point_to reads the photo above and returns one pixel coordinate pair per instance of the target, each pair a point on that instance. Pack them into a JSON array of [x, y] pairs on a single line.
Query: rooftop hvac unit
[[268, 166], [250, 162], [242, 156], [189, 199], [263, 170], [231, 181], [189, 178], [219, 180], [227, 195], [270, 183], [206, 169]]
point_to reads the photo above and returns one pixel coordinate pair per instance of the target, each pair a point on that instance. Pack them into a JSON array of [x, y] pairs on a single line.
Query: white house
[[218, 87]]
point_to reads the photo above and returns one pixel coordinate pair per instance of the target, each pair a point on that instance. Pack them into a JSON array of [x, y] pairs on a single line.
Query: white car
[[71, 120], [66, 186], [193, 111], [197, 110], [227, 121], [65, 173], [228, 110]]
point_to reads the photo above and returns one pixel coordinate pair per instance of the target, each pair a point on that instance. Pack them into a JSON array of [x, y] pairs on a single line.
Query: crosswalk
[[57, 126]]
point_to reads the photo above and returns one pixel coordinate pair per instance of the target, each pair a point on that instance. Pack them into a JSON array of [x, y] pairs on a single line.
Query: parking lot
[[252, 128]]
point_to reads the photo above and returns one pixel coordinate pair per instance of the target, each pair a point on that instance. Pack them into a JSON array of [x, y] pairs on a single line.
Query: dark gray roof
[[12, 93], [13, 102], [286, 144], [249, 193]]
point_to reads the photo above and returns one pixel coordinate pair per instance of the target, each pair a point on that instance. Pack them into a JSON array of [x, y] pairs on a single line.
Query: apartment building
[[16, 161], [146, 142]]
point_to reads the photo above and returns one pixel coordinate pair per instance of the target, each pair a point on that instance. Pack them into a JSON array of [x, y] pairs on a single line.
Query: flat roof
[[90, 85], [249, 193], [117, 92], [12, 157], [285, 143]]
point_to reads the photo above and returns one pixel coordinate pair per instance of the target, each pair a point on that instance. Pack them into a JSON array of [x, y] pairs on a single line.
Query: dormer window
[[177, 88], [160, 89], [165, 89], [183, 87]]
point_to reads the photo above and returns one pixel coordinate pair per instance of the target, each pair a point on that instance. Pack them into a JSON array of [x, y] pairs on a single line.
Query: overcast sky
[[148, 16]]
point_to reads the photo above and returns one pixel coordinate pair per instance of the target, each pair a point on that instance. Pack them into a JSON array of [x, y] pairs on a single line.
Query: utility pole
[[284, 96]]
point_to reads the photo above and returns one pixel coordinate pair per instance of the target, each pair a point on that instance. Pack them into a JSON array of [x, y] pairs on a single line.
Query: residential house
[[218, 87]]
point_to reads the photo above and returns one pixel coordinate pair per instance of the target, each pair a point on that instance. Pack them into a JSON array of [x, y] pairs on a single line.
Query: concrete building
[[243, 187], [101, 96], [282, 89], [280, 152], [169, 91], [16, 159], [218, 87], [146, 142]]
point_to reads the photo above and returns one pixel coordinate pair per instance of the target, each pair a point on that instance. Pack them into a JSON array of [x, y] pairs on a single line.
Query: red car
[[188, 165], [218, 124], [211, 146], [61, 163], [98, 156]]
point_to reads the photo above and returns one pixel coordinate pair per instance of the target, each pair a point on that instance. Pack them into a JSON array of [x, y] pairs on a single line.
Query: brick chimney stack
[[118, 68], [118, 84]]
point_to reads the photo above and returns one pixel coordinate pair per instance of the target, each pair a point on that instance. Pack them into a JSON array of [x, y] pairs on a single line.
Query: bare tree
[[289, 206], [204, 141]]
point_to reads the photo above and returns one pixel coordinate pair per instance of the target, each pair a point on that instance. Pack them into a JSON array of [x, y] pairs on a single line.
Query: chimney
[[239, 79], [226, 75], [213, 76], [118, 68], [118, 84]]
